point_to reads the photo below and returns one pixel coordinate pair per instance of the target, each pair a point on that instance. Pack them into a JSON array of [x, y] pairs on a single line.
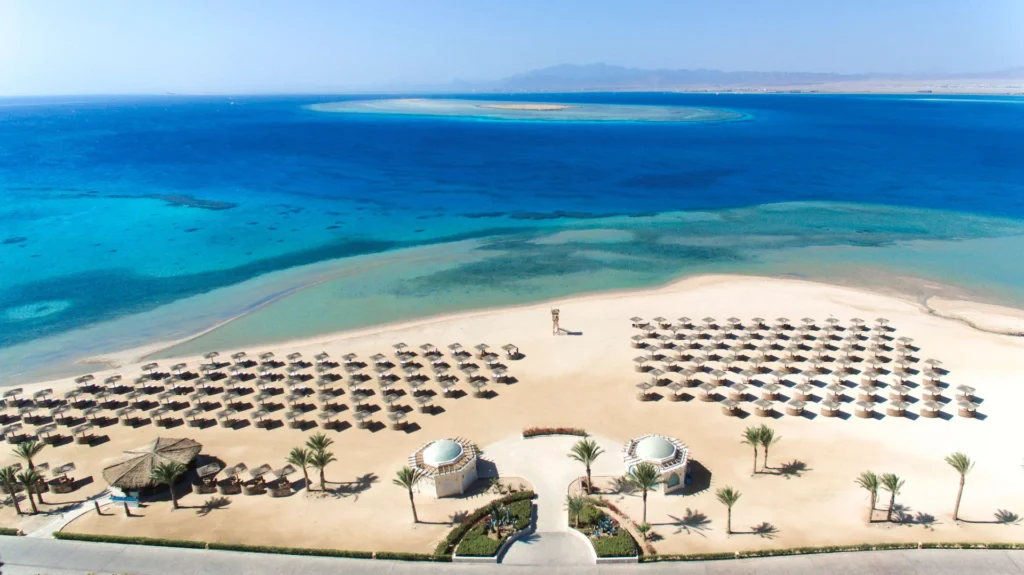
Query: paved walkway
[[33, 556], [70, 514], [544, 461]]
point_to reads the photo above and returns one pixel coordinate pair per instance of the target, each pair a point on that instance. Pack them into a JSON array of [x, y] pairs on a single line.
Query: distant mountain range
[[572, 77]]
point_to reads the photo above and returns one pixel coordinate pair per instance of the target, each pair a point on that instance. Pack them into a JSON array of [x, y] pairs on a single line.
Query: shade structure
[[136, 466]]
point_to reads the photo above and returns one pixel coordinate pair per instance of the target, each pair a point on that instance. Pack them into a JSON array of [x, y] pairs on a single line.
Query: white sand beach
[[587, 380]]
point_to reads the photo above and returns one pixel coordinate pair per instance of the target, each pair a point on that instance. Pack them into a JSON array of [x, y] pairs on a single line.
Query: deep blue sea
[[113, 208]]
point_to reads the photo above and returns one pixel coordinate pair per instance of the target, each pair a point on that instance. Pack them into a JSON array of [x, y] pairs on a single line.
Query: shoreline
[[948, 309]]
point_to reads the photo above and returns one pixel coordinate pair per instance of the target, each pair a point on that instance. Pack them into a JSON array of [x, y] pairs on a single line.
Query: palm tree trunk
[[590, 486], [728, 521], [892, 503], [28, 492], [39, 496], [174, 498], [645, 505], [755, 460], [765, 465], [959, 493], [871, 512], [323, 481], [14, 497], [412, 503], [305, 474]]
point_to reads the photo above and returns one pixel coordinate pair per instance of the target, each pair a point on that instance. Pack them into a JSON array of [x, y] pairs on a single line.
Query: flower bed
[[541, 431], [609, 538], [479, 542], [447, 545]]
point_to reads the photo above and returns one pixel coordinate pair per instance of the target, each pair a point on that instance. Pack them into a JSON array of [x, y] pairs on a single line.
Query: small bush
[[589, 516], [539, 431], [394, 556], [619, 545], [151, 541], [10, 531], [476, 543]]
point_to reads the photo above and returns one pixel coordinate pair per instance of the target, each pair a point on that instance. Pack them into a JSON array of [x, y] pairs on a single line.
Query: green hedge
[[476, 543], [291, 550], [826, 549], [539, 431], [395, 556], [448, 544], [10, 531], [155, 542], [619, 545]]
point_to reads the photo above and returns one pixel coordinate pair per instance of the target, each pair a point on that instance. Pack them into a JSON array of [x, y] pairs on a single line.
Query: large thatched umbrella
[[136, 466]]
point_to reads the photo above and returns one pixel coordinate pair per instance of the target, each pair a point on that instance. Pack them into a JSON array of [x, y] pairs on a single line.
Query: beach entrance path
[[544, 461]]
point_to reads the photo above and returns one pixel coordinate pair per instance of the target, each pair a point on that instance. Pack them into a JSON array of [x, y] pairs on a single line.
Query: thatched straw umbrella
[[966, 408], [770, 391], [865, 409], [930, 391], [829, 408], [738, 391], [211, 355], [866, 392], [478, 385], [638, 341], [83, 433], [898, 392], [795, 407], [708, 389], [637, 321], [134, 469], [656, 376], [643, 389], [896, 408], [757, 323], [764, 407], [930, 409], [730, 407], [835, 390], [965, 393], [677, 389], [735, 323], [718, 377], [803, 391], [685, 322]]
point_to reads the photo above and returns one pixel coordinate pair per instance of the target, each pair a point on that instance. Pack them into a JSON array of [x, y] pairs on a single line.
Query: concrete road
[[36, 556]]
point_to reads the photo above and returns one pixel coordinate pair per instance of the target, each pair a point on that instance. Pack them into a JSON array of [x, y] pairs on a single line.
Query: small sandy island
[[528, 107]]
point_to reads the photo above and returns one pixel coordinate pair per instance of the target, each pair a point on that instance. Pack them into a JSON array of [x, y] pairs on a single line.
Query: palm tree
[[869, 481], [575, 505], [892, 484], [728, 496], [319, 460], [963, 466], [645, 477], [752, 437], [768, 439], [26, 450], [319, 442], [30, 478], [9, 479], [408, 477], [300, 456], [586, 451], [168, 474]]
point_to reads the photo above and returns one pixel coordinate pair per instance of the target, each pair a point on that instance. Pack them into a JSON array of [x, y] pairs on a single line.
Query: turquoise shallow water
[[131, 221]]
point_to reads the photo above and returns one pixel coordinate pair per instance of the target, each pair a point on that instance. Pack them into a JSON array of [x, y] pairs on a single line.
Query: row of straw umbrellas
[[259, 391], [797, 364]]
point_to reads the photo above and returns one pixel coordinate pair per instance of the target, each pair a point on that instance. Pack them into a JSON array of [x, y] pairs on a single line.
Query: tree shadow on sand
[[211, 504], [693, 523], [356, 487], [795, 468], [904, 515]]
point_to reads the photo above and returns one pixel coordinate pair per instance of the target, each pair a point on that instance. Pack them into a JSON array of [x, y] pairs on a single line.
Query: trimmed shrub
[[151, 541], [291, 550], [10, 531], [476, 543], [395, 556], [539, 431], [447, 545], [619, 545]]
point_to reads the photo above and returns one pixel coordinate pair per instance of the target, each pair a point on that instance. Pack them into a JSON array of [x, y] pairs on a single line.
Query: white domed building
[[668, 454], [448, 465]]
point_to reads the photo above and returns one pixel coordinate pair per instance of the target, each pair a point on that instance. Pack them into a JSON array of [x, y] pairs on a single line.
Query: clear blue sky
[[153, 46]]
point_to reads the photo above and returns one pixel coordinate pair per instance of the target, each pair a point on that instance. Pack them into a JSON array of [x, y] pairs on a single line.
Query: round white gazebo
[[668, 454], [448, 465]]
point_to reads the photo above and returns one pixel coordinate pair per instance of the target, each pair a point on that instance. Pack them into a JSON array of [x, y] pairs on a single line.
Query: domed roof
[[442, 452], [655, 449]]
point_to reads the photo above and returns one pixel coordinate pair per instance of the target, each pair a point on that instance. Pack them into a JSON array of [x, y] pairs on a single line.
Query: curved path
[[36, 556], [545, 463]]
